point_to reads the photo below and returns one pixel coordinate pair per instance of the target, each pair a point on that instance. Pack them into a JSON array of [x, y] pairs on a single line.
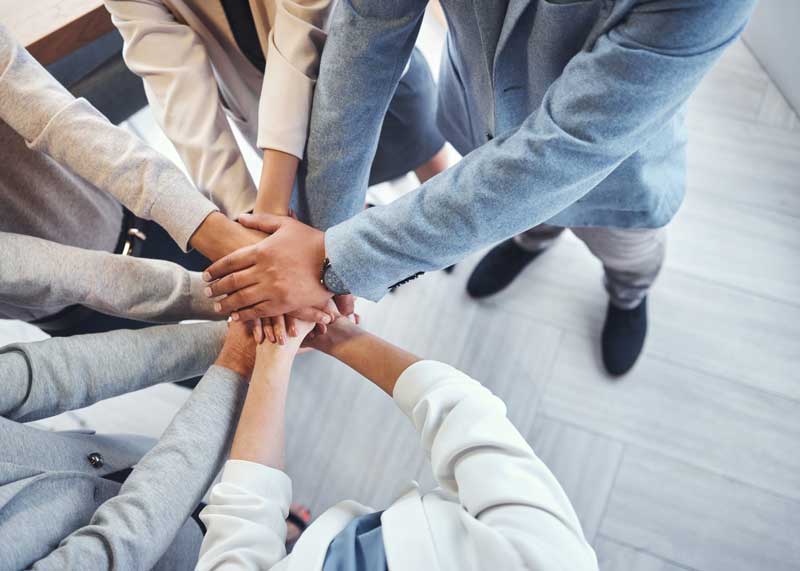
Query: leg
[[506, 261], [409, 139], [538, 238], [632, 259]]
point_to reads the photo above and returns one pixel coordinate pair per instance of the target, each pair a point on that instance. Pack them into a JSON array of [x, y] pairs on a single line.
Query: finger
[[263, 309], [312, 315], [321, 328], [279, 329], [232, 283], [258, 332], [246, 297], [238, 260], [331, 308], [356, 319], [291, 325], [345, 303], [268, 223]]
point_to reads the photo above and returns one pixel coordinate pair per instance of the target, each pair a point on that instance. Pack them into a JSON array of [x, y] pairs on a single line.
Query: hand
[[218, 236], [345, 303], [336, 333], [239, 350], [278, 275]]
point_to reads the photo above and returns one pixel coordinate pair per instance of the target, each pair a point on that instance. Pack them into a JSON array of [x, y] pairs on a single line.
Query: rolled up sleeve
[[293, 56]]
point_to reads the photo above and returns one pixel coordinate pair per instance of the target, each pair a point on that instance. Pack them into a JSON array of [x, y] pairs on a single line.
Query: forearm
[[43, 274], [132, 530], [107, 365], [607, 104], [278, 173], [218, 236], [366, 56], [376, 359], [260, 433]]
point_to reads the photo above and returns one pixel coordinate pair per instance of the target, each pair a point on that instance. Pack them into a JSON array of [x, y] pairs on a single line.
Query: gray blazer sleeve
[[49, 377], [40, 274], [79, 137], [133, 529]]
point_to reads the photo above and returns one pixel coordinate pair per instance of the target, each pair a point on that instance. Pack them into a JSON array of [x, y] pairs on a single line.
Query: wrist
[[339, 334], [235, 363], [276, 354]]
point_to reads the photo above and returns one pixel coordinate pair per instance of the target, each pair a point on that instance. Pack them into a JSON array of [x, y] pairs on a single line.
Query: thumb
[[268, 223]]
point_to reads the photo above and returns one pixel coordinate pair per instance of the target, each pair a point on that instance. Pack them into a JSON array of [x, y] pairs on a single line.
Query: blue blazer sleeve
[[603, 107]]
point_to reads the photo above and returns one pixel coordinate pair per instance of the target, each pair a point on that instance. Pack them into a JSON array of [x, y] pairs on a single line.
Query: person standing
[[256, 62], [496, 505], [569, 114]]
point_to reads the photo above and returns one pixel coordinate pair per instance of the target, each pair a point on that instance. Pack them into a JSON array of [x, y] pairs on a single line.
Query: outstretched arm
[[605, 105], [292, 64], [475, 451], [46, 378], [45, 276], [78, 137], [133, 529], [245, 517], [607, 102]]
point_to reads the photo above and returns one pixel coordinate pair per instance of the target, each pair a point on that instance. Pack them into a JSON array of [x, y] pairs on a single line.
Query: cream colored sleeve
[[479, 456], [295, 48], [183, 94]]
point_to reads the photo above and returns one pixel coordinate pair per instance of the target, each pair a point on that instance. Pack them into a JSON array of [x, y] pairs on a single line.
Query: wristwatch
[[330, 280]]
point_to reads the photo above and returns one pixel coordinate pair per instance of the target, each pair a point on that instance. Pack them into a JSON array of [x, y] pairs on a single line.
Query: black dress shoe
[[623, 337], [498, 269]]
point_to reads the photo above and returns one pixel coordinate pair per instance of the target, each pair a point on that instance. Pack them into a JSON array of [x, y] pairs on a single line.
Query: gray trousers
[[631, 257]]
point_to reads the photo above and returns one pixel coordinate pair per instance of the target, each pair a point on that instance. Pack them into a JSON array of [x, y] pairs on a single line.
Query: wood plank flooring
[[691, 462]]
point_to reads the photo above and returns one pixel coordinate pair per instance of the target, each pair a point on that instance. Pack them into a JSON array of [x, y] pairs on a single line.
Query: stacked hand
[[277, 276]]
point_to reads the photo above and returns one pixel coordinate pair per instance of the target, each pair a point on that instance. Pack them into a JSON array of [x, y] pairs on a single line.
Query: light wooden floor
[[690, 462]]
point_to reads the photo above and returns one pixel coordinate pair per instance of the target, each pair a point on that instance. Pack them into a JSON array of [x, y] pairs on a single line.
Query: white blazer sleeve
[[478, 455], [246, 518], [293, 55], [184, 96], [78, 137]]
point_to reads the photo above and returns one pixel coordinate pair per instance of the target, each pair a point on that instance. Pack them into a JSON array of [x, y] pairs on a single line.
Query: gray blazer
[[566, 111], [56, 509]]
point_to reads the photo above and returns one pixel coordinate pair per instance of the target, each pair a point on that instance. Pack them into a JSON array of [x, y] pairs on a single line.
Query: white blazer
[[195, 76], [497, 506]]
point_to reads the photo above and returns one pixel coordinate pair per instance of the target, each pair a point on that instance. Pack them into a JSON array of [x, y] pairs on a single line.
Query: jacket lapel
[[515, 10], [407, 535]]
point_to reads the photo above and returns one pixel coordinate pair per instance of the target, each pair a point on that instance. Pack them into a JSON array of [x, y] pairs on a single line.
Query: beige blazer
[[196, 77]]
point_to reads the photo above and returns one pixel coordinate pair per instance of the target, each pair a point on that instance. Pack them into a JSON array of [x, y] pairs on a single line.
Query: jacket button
[[95, 459]]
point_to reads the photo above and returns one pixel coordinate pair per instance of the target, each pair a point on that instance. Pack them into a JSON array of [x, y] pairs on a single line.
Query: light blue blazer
[[567, 112]]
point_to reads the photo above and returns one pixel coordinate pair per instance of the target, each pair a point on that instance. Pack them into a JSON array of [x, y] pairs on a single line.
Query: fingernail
[[208, 292], [326, 319], [234, 316], [218, 308], [293, 332], [206, 276], [282, 340]]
